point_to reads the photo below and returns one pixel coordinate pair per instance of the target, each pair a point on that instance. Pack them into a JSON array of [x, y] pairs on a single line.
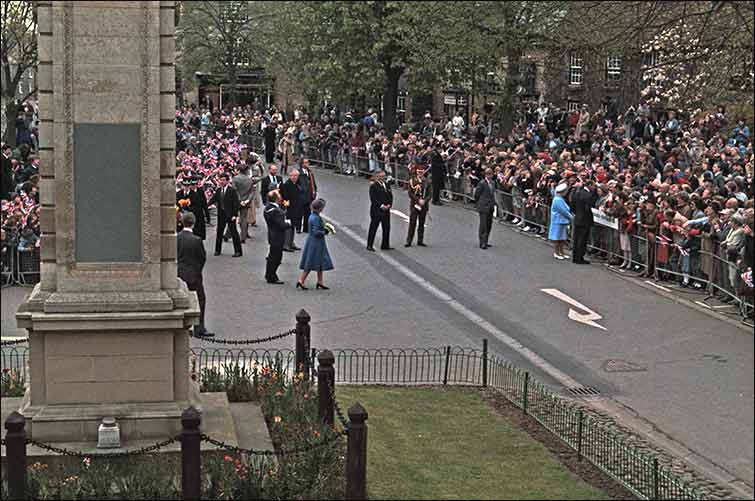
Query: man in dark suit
[[7, 185], [199, 208], [270, 182], [381, 201], [276, 236], [582, 200], [227, 202], [294, 199], [438, 171], [269, 135], [309, 188], [484, 197], [191, 259]]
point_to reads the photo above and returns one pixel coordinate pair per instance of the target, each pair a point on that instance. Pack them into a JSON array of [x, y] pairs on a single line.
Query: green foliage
[[238, 381], [12, 383], [143, 477]]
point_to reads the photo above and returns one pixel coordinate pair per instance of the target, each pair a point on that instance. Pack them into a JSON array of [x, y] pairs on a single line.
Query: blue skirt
[[558, 232]]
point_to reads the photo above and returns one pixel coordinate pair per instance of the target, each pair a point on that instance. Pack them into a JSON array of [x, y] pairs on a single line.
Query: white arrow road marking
[[509, 341], [585, 318]]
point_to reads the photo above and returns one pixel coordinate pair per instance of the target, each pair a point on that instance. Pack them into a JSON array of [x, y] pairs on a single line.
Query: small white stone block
[[108, 434]]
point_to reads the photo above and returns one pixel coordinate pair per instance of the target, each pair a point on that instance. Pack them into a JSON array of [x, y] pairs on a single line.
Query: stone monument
[[109, 323]]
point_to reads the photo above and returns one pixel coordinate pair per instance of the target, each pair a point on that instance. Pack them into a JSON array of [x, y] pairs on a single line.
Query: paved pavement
[[685, 378]]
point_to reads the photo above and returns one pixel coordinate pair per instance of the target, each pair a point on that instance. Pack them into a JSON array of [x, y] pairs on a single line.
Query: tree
[[686, 54], [17, 55], [366, 47], [706, 59], [219, 36]]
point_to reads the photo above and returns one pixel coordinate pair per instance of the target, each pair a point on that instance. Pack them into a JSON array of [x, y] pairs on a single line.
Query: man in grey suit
[[244, 183], [484, 197]]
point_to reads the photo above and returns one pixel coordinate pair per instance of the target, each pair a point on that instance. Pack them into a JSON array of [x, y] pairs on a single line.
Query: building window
[[572, 106], [613, 69], [575, 69], [650, 59]]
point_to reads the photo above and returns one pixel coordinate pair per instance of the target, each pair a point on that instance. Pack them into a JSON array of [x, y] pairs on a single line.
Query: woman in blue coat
[[315, 256], [559, 223]]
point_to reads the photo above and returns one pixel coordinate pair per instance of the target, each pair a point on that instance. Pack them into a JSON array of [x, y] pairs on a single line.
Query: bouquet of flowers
[[329, 228], [184, 202]]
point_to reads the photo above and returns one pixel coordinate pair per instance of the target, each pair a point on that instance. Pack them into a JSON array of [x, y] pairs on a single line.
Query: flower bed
[[12, 383], [289, 405], [290, 409]]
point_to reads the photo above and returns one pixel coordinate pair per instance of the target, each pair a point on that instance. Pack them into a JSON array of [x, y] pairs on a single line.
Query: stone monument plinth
[[109, 322]]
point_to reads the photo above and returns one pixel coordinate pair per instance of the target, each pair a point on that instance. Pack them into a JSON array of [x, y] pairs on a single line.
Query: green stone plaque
[[107, 181]]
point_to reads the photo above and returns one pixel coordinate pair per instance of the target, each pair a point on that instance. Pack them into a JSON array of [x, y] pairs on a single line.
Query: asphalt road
[[684, 376]]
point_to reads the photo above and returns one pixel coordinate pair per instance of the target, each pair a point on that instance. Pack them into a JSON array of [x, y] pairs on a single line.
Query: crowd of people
[[19, 192], [679, 189]]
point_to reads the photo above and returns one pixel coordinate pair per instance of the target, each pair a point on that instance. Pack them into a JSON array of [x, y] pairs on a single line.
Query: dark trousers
[[274, 258], [384, 221], [304, 221], [437, 182], [198, 287], [289, 242], [414, 217], [581, 233], [222, 223], [486, 223], [296, 221]]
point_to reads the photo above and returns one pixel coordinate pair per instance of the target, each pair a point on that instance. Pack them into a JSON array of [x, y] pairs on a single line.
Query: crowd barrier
[[19, 266], [663, 259]]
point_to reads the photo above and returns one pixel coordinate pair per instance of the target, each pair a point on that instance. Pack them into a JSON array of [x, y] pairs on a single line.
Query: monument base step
[[238, 424], [80, 422]]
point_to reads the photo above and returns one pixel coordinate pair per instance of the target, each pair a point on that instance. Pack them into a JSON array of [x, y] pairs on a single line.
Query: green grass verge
[[447, 443]]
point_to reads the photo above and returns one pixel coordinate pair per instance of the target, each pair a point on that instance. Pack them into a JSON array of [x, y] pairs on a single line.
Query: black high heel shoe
[[321, 286], [301, 286]]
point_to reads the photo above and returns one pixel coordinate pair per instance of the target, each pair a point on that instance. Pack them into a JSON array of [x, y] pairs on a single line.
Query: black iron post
[[356, 455], [326, 384], [445, 370], [484, 363], [190, 460], [303, 343], [15, 450], [526, 390]]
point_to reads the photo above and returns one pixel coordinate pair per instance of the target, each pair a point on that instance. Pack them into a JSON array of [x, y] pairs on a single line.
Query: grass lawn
[[447, 443]]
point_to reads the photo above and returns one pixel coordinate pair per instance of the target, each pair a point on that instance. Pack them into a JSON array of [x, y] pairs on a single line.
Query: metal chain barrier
[[267, 452], [339, 412], [244, 341], [14, 341], [66, 452]]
